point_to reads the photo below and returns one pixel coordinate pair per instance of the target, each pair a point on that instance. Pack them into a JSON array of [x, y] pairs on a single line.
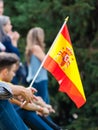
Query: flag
[[61, 63]]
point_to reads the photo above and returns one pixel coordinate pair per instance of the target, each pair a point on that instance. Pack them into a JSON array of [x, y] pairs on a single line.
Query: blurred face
[[10, 73], [1, 8], [8, 27]]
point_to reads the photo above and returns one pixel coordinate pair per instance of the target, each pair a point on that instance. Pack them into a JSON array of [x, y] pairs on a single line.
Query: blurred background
[[83, 29]]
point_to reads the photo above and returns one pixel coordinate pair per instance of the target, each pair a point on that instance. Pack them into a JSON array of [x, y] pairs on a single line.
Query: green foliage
[[83, 28]]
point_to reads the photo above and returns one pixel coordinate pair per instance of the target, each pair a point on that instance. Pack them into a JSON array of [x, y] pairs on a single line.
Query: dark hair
[[8, 59]]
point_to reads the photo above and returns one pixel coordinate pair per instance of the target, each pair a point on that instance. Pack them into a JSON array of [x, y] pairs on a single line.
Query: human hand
[[28, 95], [43, 111], [39, 101], [50, 108], [14, 35]]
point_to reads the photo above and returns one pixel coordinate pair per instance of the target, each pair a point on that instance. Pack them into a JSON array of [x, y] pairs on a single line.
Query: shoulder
[[36, 48], [6, 39], [38, 52]]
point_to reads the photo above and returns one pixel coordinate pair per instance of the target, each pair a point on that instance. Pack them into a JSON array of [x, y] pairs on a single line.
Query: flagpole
[[66, 19]]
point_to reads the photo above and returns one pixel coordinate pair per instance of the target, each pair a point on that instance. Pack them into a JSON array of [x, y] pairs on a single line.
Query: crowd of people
[[23, 108]]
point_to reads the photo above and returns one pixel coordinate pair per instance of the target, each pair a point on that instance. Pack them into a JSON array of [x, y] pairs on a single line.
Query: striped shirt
[[5, 91]]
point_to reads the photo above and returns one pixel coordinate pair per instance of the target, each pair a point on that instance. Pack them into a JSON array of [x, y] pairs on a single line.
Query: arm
[[26, 93], [2, 47], [9, 47], [31, 107], [40, 101], [14, 37]]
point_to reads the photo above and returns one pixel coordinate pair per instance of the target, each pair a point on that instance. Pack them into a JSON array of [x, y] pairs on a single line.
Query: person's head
[[1, 7], [35, 36], [8, 66], [5, 24]]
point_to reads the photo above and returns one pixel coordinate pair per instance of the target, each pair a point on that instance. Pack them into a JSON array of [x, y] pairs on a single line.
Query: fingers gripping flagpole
[[31, 84]]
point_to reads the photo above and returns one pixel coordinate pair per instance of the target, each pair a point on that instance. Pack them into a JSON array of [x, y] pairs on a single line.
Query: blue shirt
[[6, 41], [33, 68]]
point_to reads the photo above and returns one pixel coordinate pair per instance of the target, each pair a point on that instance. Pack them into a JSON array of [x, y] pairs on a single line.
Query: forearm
[[29, 106], [15, 101], [39, 101], [27, 94], [17, 90]]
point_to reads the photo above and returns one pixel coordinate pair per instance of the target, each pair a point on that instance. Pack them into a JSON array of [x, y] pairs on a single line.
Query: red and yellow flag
[[61, 62]]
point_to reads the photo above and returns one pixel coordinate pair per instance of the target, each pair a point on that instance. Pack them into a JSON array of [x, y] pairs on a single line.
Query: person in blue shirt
[[5, 27], [10, 40], [35, 54]]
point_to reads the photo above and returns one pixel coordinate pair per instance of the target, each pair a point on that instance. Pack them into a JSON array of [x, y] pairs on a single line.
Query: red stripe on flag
[[66, 84], [65, 34], [73, 93]]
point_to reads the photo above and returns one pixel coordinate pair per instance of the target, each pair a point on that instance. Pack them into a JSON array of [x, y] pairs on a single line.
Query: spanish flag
[[61, 63]]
